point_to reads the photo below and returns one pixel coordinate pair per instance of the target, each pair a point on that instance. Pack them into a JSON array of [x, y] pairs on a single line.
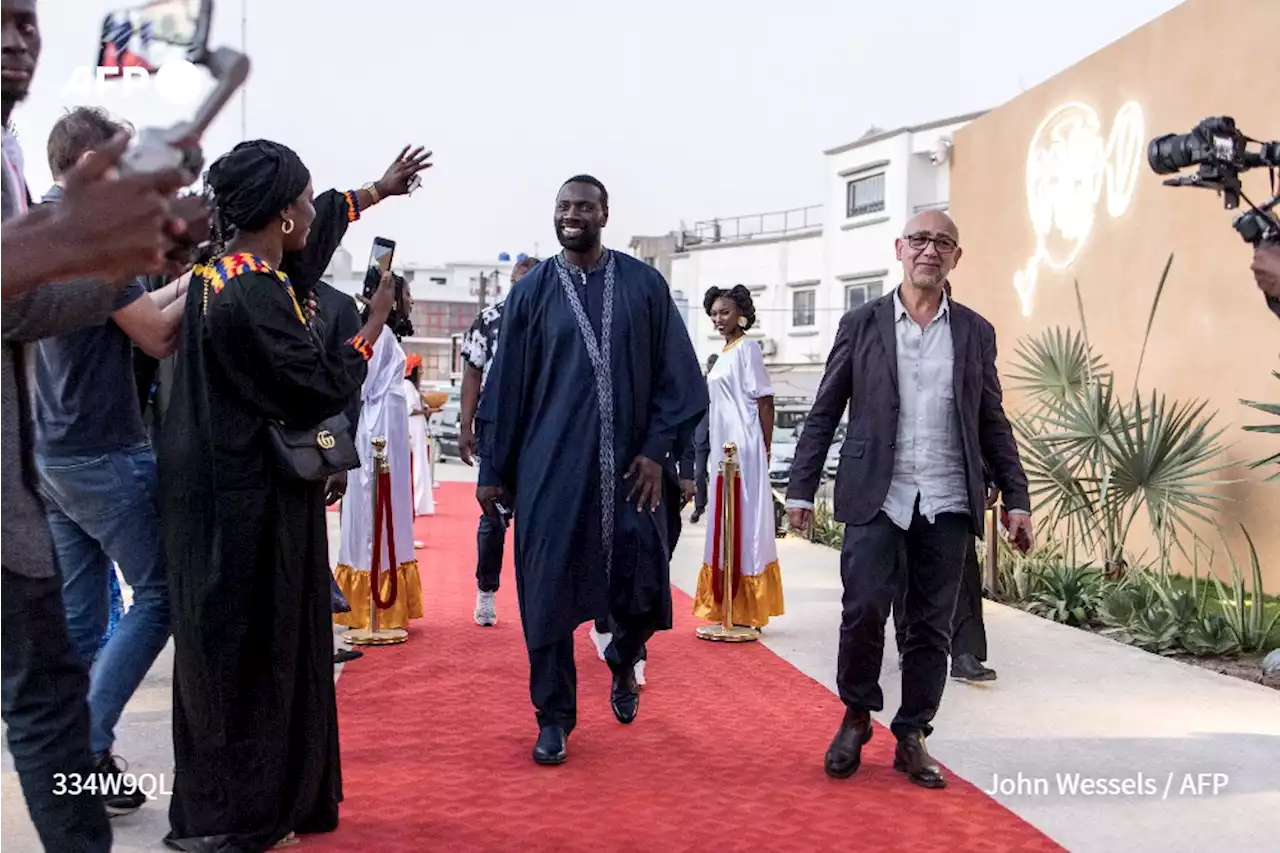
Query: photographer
[[98, 471], [113, 229], [1266, 272], [1220, 152]]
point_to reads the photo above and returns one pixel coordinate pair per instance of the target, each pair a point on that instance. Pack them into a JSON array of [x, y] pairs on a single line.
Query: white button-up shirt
[[928, 460]]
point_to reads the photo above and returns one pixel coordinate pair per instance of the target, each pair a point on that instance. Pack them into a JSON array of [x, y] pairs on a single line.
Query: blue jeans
[[101, 509], [44, 687]]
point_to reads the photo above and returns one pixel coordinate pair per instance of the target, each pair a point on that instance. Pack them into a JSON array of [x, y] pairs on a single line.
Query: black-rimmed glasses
[[944, 244]]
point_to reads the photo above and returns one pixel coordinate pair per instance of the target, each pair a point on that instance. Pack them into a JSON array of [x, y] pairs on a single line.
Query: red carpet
[[726, 752]]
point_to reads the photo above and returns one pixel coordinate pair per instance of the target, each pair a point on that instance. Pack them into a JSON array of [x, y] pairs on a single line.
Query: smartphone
[[1021, 542], [381, 254], [504, 514]]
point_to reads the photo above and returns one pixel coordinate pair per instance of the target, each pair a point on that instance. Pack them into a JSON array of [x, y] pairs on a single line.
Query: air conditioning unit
[[941, 150], [768, 346]]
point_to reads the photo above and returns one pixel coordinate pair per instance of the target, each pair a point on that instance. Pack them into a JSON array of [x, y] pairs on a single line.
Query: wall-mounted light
[[1069, 164]]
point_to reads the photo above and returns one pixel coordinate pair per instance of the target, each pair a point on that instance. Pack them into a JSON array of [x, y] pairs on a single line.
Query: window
[[440, 281], [862, 293], [804, 307], [436, 364], [442, 319], [865, 195]]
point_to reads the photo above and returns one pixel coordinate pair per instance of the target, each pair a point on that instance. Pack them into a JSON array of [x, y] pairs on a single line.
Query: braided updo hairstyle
[[737, 294]]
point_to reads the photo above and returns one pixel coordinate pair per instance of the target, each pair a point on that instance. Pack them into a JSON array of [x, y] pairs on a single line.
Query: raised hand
[[400, 174]]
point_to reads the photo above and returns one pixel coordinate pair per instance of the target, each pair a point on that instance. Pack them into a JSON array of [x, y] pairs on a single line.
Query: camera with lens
[[398, 321], [1221, 153]]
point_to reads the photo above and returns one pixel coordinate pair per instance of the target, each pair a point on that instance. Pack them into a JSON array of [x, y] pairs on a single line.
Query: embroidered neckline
[[605, 256], [224, 269]]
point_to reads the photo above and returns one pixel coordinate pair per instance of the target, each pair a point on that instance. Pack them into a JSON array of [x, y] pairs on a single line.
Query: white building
[[807, 267], [446, 300], [775, 255]]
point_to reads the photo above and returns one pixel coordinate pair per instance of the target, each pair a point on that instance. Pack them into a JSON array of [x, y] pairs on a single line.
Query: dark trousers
[[553, 676], [872, 574], [605, 626], [491, 538], [968, 631], [700, 459], [45, 702]]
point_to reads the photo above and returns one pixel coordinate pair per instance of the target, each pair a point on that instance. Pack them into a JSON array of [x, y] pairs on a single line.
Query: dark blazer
[[862, 374]]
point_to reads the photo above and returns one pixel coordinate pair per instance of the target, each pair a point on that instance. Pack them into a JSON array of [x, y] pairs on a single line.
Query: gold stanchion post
[[726, 631], [373, 635]]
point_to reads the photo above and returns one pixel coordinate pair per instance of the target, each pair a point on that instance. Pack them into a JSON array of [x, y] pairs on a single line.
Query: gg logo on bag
[[324, 438]]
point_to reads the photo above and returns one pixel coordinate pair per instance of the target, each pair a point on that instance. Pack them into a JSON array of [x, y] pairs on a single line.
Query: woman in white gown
[[384, 412], [424, 501], [741, 412]]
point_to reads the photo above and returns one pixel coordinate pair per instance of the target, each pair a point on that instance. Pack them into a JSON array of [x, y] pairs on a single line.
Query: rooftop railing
[[737, 229]]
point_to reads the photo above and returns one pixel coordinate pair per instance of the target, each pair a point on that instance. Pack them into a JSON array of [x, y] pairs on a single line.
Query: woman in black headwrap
[[255, 718]]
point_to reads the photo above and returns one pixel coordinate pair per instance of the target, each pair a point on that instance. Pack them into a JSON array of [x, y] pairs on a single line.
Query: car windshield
[[783, 436]]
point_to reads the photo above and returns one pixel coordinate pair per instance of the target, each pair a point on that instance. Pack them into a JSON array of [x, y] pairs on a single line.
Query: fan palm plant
[[1274, 429], [1095, 461]]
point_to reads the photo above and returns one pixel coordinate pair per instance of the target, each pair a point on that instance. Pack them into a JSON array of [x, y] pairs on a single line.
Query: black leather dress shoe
[[551, 747], [624, 698], [845, 753], [912, 758], [969, 668]]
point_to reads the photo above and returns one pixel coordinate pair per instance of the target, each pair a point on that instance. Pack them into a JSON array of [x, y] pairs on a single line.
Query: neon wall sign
[[1069, 165]]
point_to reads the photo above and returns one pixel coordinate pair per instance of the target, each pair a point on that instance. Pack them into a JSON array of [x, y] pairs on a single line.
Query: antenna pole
[[244, 48]]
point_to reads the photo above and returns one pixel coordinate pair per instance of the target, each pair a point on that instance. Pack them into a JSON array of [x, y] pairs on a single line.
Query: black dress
[[255, 727]]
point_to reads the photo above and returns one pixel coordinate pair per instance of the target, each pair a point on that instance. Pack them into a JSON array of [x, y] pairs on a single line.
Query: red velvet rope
[[717, 576], [717, 514], [382, 515]]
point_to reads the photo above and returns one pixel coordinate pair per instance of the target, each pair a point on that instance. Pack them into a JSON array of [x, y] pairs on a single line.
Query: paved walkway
[[1068, 705]]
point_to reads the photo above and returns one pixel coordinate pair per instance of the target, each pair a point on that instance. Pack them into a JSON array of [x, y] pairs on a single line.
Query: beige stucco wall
[[1213, 336]]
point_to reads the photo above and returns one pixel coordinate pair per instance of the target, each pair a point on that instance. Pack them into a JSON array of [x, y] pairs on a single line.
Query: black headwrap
[[253, 183]]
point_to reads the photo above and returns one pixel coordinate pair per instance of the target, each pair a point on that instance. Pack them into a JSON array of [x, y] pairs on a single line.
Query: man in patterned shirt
[[478, 348]]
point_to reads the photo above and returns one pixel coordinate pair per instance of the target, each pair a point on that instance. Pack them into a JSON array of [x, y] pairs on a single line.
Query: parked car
[[445, 427], [784, 451], [833, 453]]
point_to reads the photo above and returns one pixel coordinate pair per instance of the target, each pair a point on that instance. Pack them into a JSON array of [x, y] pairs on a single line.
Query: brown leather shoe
[[845, 753], [911, 757]]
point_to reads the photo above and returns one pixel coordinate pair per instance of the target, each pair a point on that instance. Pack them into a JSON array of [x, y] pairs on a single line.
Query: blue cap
[[522, 257], [504, 257]]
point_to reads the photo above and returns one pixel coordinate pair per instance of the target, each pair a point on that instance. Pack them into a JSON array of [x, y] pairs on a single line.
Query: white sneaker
[[602, 641], [486, 611], [640, 673]]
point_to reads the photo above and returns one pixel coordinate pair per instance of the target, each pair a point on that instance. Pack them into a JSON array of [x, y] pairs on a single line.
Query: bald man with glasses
[[917, 373]]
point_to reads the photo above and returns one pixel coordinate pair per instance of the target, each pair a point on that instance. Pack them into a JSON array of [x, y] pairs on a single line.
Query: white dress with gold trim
[[738, 380], [384, 412]]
